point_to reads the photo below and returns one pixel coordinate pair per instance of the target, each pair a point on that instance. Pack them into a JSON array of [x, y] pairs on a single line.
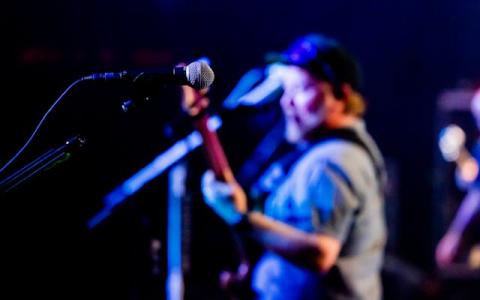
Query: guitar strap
[[279, 169]]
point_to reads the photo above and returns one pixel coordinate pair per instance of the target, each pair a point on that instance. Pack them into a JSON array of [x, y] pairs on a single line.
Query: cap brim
[[277, 57]]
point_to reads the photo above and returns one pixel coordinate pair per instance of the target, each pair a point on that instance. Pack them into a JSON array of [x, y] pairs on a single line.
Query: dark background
[[409, 51]]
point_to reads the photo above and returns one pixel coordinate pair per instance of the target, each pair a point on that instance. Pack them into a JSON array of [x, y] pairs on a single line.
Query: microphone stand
[[161, 163], [44, 162]]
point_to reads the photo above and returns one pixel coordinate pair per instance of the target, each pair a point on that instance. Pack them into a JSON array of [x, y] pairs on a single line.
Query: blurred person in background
[[461, 242]]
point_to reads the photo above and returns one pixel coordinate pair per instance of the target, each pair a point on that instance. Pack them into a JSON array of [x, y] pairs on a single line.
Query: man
[[323, 223]]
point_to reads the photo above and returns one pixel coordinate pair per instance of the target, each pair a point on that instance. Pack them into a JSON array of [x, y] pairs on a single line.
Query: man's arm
[[313, 251]]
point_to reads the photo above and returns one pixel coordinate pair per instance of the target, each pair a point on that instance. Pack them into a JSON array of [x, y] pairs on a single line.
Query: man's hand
[[228, 200]]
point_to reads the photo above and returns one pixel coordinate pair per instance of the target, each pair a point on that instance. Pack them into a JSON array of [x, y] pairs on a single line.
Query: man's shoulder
[[336, 150], [345, 159]]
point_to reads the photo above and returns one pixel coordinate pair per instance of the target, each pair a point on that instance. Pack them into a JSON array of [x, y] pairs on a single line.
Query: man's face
[[306, 103]]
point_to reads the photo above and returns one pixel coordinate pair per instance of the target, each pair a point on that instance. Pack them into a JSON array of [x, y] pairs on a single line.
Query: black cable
[[35, 131]]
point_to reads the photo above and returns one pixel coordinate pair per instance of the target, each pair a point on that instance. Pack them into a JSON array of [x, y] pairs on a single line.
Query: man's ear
[[354, 102]]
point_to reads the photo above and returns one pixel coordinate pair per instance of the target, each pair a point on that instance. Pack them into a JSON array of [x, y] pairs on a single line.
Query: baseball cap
[[324, 58]]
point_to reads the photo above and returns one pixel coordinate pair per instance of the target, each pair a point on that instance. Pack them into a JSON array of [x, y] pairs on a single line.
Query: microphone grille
[[199, 75]]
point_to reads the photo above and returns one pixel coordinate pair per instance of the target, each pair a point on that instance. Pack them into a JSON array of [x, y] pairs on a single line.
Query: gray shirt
[[332, 189]]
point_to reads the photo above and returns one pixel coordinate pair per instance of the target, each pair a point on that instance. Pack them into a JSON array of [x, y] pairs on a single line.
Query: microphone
[[197, 74]]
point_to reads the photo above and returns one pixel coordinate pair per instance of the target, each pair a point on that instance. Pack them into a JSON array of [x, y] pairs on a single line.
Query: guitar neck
[[214, 150]]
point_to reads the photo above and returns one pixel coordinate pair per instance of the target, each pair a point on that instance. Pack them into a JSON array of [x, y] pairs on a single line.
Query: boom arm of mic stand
[[161, 163]]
